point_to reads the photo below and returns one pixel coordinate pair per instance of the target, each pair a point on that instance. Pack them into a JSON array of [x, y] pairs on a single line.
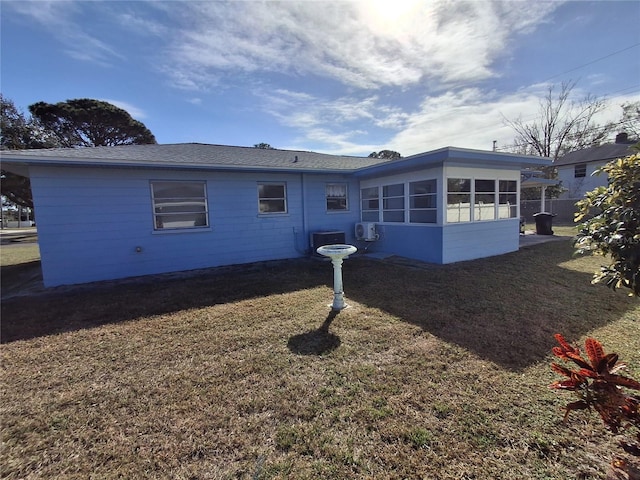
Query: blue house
[[113, 212]]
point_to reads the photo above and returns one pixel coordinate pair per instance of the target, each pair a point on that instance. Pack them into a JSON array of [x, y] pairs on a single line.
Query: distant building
[[575, 169]]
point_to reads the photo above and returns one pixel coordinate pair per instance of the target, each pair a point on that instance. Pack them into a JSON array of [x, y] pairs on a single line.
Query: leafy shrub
[[615, 229], [600, 387]]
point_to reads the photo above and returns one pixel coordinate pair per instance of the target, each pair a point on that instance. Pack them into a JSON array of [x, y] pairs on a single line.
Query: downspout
[[305, 226]]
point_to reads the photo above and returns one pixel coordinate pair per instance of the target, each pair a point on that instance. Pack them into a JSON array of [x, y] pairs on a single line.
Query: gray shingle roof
[[193, 155], [606, 152]]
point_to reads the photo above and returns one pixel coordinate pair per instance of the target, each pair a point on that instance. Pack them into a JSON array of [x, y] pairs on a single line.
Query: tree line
[[80, 122]]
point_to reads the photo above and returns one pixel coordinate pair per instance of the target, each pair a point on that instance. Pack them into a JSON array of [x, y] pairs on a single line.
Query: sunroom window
[[508, 199], [179, 204], [458, 200], [484, 200], [423, 202], [370, 204], [393, 203]]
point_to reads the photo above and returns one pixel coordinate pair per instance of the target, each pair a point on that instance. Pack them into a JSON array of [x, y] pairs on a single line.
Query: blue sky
[[346, 77]]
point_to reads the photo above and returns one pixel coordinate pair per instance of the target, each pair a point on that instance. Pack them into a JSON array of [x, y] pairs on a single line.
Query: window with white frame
[[423, 201], [508, 199], [580, 170], [393, 203], [336, 196], [370, 204], [458, 200], [272, 198], [484, 200], [179, 204]]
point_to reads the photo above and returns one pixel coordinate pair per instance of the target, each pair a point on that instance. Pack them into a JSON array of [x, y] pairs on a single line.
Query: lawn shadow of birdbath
[[316, 342]]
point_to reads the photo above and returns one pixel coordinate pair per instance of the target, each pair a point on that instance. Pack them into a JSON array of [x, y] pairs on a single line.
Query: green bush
[[614, 229]]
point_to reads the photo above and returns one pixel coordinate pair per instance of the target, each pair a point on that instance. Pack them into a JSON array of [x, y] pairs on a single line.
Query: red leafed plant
[[600, 387]]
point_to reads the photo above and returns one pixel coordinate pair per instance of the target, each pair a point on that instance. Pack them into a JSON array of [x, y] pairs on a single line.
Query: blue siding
[[318, 218], [420, 242], [467, 241], [91, 220]]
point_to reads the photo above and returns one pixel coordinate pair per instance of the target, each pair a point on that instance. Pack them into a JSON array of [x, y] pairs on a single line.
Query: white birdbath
[[337, 253]]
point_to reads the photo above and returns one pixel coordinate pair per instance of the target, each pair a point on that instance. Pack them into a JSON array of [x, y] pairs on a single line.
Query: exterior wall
[[420, 242], [317, 217], [444, 242], [468, 241], [577, 187], [92, 222]]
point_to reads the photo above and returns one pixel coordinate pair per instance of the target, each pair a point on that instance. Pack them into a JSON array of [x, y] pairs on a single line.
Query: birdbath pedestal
[[337, 253]]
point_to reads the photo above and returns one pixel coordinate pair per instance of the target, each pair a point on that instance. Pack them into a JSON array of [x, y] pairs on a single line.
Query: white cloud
[[58, 17], [360, 44]]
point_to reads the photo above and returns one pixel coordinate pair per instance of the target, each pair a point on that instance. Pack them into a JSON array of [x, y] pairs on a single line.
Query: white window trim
[[199, 228], [407, 202], [286, 203], [326, 197], [472, 204]]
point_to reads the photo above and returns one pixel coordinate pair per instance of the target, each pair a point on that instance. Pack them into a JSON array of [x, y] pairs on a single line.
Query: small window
[[508, 199], [485, 200], [179, 205], [458, 200], [336, 194], [393, 203], [580, 170], [272, 198], [370, 203], [423, 201]]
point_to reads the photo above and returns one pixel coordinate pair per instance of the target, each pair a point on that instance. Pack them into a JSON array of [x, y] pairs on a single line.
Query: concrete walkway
[[531, 238]]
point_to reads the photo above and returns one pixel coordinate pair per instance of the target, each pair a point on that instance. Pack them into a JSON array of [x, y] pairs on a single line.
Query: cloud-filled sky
[[348, 77]]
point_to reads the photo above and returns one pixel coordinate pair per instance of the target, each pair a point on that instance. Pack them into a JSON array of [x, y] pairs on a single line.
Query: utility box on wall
[[319, 239]]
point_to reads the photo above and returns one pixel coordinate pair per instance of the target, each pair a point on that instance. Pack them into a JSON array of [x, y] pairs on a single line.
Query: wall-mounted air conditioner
[[366, 231]]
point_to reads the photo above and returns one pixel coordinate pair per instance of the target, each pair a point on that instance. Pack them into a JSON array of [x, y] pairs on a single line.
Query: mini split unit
[[366, 231]]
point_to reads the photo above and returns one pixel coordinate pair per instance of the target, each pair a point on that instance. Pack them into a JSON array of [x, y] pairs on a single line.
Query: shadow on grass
[[19, 277], [316, 342], [64, 309], [504, 309]]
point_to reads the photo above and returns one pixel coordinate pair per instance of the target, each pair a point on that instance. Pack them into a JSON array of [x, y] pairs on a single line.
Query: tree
[[18, 133], [630, 121], [386, 154], [563, 125], [614, 230], [264, 146], [86, 122]]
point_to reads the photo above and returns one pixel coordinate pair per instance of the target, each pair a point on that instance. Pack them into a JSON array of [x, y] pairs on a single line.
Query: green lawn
[[436, 372]]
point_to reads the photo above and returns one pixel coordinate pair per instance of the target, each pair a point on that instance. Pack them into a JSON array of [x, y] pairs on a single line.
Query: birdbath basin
[[337, 254]]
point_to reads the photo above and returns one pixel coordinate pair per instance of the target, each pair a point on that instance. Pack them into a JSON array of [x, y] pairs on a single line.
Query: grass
[[436, 372]]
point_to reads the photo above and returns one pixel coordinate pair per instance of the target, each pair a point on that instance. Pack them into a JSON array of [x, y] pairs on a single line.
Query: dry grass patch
[[434, 372]]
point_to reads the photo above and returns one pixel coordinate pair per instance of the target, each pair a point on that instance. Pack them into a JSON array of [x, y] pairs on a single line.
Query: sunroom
[[444, 206]]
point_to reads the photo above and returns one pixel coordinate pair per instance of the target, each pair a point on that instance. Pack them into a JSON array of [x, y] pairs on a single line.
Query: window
[[508, 199], [336, 194], [458, 200], [485, 200], [272, 198], [370, 203], [179, 205], [580, 170], [393, 203], [423, 202]]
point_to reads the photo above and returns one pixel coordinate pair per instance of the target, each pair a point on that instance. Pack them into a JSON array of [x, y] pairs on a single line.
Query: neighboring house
[[575, 169], [114, 212]]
